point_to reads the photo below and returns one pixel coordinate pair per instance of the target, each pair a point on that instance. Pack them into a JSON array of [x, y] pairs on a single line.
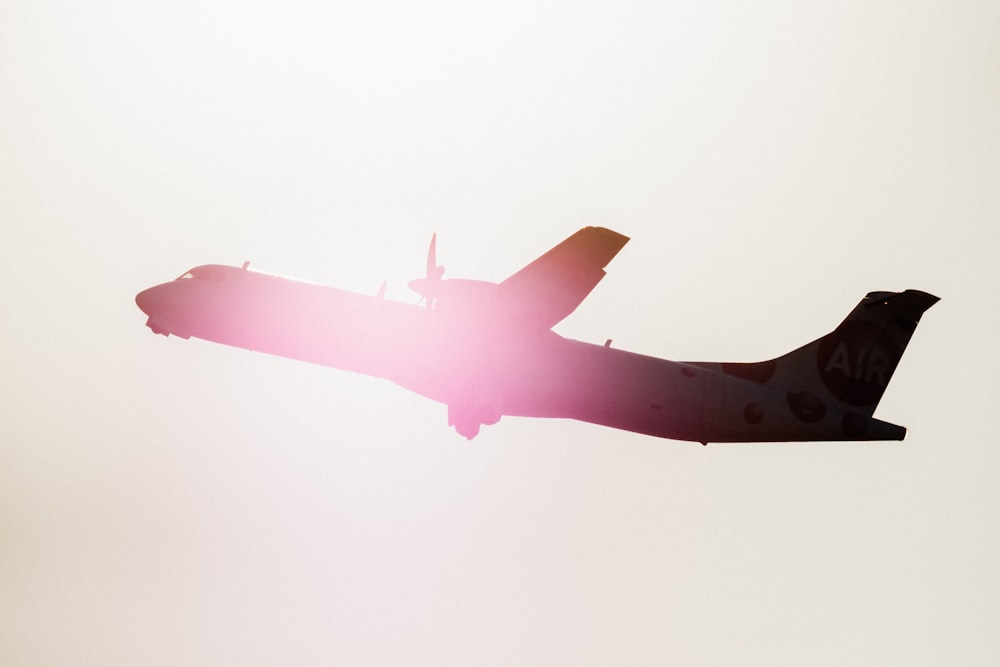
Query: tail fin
[[853, 364]]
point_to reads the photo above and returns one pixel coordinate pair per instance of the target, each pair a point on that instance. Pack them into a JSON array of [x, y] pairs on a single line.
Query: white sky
[[177, 502]]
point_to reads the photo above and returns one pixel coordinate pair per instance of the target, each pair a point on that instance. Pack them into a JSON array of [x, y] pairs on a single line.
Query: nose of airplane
[[149, 300], [144, 300]]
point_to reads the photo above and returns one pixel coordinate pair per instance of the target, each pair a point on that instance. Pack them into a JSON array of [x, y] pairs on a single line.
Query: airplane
[[487, 350]]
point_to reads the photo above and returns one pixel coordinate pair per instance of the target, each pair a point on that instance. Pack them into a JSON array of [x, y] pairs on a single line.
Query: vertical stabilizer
[[856, 361], [852, 365]]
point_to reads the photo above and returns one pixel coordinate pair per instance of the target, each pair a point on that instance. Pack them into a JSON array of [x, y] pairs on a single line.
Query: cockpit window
[[214, 273]]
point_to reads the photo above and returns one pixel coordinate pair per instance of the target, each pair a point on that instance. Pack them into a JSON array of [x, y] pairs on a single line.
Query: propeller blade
[[434, 272], [426, 287]]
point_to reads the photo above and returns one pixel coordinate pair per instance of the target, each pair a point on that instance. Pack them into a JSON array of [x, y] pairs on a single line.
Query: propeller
[[427, 287]]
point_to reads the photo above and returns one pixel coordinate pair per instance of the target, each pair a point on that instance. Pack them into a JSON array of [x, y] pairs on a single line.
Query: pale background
[[170, 502]]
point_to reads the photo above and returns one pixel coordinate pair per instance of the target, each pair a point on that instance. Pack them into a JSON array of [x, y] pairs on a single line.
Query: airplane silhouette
[[487, 350]]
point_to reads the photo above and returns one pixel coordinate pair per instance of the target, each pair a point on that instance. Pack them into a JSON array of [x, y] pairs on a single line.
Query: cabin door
[[712, 399]]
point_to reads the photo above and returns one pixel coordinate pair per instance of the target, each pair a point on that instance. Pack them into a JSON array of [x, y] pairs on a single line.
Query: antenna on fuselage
[[246, 264]]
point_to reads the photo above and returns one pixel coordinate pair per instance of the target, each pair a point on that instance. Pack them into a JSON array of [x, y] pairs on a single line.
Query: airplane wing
[[551, 287]]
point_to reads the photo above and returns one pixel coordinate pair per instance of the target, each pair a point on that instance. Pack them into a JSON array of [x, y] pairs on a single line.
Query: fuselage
[[481, 366]]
